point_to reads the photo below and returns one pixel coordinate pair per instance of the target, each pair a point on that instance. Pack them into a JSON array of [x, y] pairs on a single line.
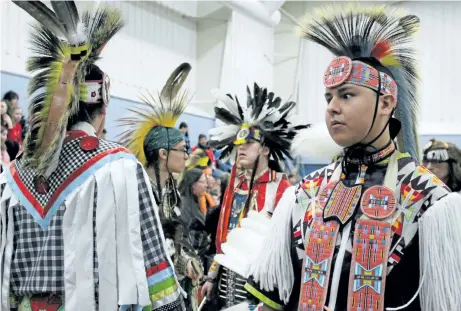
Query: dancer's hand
[[191, 273], [207, 289]]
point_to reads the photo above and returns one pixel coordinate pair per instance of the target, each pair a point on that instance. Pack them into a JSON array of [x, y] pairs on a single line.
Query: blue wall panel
[[197, 124], [117, 109]]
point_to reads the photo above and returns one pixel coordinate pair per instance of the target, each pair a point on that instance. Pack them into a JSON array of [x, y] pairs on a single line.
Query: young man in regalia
[[259, 138], [371, 230], [161, 148], [79, 224]]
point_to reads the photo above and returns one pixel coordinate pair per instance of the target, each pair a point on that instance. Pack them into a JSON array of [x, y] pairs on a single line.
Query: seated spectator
[[203, 144], [15, 133], [185, 131], [11, 97], [5, 158], [5, 118]]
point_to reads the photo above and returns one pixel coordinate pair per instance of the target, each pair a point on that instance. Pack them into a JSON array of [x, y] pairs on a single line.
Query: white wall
[[439, 45], [248, 55], [286, 46], [211, 38], [234, 50], [154, 41]]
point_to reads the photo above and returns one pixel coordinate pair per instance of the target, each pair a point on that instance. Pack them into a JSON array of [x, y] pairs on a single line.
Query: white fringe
[[315, 144], [440, 255], [273, 267], [244, 244]]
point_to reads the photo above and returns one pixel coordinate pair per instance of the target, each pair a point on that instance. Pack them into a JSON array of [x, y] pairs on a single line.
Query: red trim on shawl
[[42, 210], [283, 185]]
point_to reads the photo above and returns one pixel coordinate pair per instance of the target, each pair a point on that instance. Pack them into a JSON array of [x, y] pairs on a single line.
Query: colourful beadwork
[[342, 69], [378, 202], [317, 264], [369, 265], [342, 203]]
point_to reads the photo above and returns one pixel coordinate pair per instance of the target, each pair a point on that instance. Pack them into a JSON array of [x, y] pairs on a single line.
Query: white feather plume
[[315, 145], [223, 132], [226, 102]]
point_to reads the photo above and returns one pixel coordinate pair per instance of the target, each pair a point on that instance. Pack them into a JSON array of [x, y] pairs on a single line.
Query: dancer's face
[[177, 158], [349, 114], [248, 153], [439, 169]]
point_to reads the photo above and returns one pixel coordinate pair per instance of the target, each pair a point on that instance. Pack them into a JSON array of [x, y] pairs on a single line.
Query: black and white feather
[[264, 111]]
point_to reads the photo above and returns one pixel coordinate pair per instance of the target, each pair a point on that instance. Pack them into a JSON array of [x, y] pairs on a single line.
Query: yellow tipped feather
[[163, 110]]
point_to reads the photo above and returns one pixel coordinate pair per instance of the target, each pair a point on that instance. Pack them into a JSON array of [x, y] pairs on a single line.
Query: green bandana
[[162, 137]]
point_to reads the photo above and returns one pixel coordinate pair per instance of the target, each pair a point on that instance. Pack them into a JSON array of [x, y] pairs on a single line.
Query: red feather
[[381, 49]]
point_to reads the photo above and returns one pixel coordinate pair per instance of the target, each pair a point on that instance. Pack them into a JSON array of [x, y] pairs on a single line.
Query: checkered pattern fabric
[[154, 251], [38, 259], [71, 158], [38, 256]]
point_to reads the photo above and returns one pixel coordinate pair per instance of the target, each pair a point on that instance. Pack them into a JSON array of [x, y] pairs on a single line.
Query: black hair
[[12, 147], [182, 125], [86, 113], [454, 176], [190, 177], [10, 95], [201, 136]]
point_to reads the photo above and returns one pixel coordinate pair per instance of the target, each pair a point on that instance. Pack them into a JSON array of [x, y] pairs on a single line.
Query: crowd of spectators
[[13, 127]]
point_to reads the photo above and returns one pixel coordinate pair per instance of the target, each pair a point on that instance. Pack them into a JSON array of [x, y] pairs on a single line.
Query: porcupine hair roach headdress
[[373, 49], [152, 126], [66, 47]]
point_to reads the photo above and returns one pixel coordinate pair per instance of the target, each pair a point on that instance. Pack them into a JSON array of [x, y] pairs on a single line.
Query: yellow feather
[[155, 111], [83, 91], [390, 60]]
